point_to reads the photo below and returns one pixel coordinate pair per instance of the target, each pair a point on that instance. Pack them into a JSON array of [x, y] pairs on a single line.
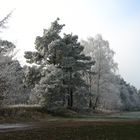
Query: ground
[[115, 126]]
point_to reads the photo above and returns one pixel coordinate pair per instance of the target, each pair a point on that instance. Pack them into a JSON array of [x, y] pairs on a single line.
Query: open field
[[118, 126], [76, 130]]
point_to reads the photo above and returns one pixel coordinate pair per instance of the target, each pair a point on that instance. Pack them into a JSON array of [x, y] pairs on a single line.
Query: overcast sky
[[117, 20]]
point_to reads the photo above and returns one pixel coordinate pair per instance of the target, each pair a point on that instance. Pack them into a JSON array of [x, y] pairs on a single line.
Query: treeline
[[65, 73]]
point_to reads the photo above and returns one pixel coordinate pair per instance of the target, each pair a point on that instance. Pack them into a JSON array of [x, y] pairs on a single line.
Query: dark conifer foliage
[[64, 56]]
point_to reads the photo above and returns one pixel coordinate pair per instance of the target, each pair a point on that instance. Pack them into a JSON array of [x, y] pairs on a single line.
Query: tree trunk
[[98, 92], [70, 91], [98, 78], [71, 98], [90, 100]]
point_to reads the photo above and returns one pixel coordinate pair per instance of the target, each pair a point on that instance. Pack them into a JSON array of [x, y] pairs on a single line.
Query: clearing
[[118, 126]]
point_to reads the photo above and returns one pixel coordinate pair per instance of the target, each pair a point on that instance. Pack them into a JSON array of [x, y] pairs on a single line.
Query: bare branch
[[5, 19]]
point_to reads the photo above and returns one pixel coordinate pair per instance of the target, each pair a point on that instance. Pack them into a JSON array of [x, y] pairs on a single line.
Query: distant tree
[[129, 95], [139, 93]]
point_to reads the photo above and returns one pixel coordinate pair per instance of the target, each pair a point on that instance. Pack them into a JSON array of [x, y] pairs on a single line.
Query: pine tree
[[45, 46], [74, 62], [63, 55]]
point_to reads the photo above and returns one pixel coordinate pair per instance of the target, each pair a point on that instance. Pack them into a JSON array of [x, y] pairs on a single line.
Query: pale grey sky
[[117, 20]]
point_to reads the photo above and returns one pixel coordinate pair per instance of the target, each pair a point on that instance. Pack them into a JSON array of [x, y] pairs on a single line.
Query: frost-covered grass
[[120, 116], [126, 115], [23, 105]]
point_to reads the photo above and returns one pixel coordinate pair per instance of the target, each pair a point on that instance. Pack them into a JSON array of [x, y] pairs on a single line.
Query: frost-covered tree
[[4, 20], [11, 74], [62, 62], [5, 48], [45, 50], [139, 93], [74, 62], [50, 90], [43, 56], [129, 95], [104, 91], [15, 92], [32, 75]]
